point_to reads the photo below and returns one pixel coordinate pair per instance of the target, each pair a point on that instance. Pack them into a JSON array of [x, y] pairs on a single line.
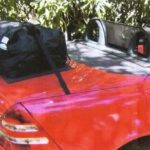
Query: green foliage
[[10, 9], [73, 15], [135, 12], [70, 16]]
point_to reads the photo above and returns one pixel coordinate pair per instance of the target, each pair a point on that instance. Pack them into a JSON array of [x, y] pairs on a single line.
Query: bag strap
[[35, 32]]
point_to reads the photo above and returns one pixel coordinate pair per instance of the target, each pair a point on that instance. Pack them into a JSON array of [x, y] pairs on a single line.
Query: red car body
[[103, 112]]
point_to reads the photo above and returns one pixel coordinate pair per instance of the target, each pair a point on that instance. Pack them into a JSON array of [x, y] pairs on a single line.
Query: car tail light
[[18, 130]]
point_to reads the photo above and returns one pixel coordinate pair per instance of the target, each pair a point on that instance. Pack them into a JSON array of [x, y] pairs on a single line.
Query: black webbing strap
[[49, 58]]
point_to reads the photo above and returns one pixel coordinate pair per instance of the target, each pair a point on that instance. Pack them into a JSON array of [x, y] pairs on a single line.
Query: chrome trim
[[25, 141], [19, 128]]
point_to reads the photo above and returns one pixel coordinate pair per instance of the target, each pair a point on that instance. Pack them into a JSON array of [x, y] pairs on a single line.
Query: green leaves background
[[72, 15]]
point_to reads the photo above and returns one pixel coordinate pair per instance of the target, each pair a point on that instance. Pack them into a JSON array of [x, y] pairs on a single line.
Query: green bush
[[72, 15], [15, 10], [135, 12]]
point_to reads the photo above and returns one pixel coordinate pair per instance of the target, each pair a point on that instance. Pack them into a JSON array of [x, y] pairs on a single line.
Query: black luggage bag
[[20, 52]]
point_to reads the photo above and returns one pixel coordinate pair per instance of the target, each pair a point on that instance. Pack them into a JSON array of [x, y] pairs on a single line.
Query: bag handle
[[35, 32]]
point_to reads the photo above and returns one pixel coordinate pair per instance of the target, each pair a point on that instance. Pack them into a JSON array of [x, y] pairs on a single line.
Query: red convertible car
[[105, 110]]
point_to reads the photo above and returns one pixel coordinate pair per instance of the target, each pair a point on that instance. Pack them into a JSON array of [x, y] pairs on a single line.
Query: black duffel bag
[[20, 52]]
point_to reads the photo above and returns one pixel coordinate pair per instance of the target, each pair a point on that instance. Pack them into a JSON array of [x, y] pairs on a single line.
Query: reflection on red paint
[[104, 110]]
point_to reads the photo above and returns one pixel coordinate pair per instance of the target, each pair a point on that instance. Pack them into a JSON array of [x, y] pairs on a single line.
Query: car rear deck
[[107, 58]]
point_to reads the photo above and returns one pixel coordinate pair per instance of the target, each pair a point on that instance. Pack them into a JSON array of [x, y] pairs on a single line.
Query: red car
[[105, 110]]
